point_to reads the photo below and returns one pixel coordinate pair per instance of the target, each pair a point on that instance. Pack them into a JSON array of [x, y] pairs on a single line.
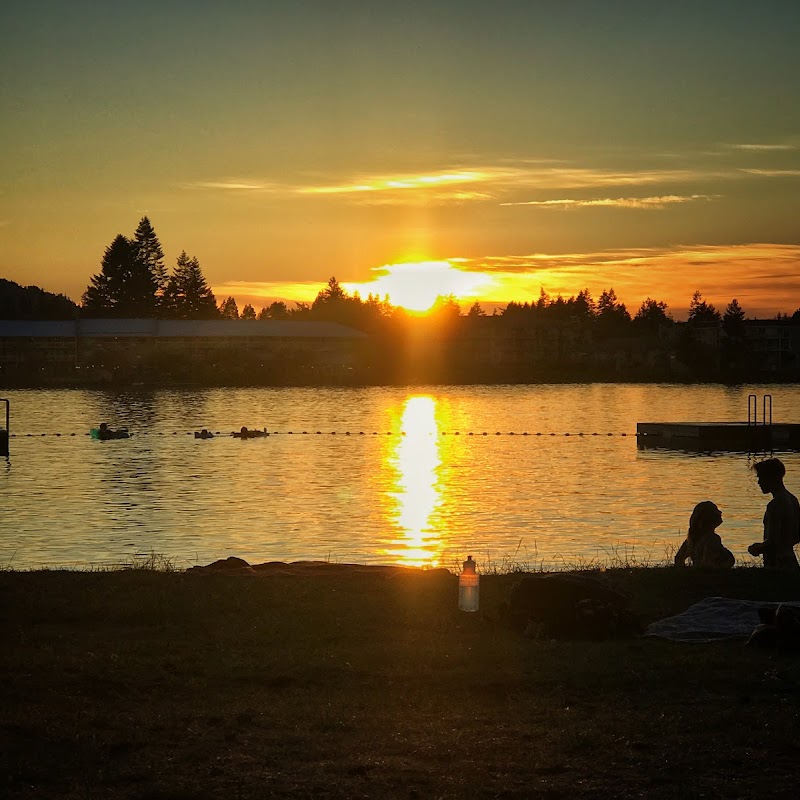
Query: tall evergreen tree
[[584, 306], [733, 320], [544, 299], [700, 311], [187, 295], [150, 252], [652, 314], [275, 310], [446, 307], [124, 287], [228, 309], [612, 316], [248, 312]]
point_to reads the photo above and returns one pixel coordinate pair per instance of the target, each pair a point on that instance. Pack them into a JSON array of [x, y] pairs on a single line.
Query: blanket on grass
[[713, 619]]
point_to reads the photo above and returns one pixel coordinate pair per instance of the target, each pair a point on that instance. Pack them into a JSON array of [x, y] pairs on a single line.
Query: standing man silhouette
[[781, 519]]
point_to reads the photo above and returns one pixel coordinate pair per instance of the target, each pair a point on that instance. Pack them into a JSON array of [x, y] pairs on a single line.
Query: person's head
[[244, 429], [103, 426], [705, 518], [770, 474]]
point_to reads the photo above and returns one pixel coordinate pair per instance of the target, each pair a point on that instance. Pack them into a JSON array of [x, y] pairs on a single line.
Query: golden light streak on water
[[416, 460]]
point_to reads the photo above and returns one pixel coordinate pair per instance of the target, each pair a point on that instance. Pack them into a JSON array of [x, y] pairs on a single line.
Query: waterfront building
[[100, 350]]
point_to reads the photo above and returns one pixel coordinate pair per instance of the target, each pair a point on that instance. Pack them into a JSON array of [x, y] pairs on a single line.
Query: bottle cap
[[469, 565]]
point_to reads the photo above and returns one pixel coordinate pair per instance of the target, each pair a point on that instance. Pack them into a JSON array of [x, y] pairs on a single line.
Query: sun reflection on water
[[416, 461]]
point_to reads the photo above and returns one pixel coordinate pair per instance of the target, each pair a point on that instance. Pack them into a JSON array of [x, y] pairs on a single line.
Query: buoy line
[[263, 435]]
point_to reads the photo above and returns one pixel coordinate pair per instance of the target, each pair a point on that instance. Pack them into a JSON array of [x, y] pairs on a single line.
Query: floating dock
[[703, 436], [748, 437]]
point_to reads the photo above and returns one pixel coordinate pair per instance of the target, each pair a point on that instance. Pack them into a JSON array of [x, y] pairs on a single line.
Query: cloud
[[484, 183], [234, 185], [481, 183], [399, 183], [764, 277], [774, 173], [261, 293], [764, 148], [655, 203]]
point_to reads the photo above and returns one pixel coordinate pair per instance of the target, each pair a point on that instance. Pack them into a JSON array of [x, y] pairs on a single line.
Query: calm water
[[419, 495]]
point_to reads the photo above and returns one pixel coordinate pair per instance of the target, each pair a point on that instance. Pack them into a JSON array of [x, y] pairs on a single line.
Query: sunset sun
[[416, 285]]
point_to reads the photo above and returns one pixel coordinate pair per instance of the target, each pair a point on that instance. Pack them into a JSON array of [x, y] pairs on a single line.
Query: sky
[[487, 150]]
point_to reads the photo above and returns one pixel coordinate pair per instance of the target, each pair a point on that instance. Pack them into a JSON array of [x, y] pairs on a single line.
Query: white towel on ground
[[713, 619]]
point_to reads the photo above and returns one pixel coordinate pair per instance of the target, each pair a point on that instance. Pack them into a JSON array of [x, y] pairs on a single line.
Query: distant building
[[62, 349], [774, 342]]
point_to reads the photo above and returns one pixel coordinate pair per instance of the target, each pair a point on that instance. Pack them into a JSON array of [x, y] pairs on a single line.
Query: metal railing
[[752, 409]]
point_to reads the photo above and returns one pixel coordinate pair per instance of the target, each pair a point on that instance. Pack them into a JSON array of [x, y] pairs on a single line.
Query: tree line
[[134, 282]]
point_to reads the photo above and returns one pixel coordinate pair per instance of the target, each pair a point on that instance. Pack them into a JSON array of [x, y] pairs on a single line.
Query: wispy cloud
[[501, 183], [764, 148], [261, 293], [478, 183], [235, 185], [402, 182], [774, 173], [764, 277], [646, 203]]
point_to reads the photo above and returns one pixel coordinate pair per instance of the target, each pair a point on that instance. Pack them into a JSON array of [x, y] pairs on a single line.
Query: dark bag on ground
[[557, 606]]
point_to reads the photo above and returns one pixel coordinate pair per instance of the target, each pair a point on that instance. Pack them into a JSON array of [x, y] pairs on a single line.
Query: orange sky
[[649, 147]]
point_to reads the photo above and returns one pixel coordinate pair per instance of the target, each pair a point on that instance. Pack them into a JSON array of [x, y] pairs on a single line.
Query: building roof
[[162, 328]]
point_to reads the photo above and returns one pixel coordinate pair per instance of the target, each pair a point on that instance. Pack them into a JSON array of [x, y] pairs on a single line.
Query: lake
[[373, 475]]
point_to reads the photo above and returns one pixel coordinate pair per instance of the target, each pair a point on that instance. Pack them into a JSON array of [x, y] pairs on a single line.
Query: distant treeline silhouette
[[575, 338], [31, 302], [133, 282]]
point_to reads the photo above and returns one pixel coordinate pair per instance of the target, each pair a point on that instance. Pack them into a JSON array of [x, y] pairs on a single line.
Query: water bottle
[[468, 587]]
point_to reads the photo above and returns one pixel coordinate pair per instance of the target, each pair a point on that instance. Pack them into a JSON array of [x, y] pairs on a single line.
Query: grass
[[153, 684]]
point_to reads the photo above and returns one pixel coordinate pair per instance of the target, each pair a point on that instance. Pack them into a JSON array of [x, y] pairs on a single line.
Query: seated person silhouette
[[702, 545], [203, 434]]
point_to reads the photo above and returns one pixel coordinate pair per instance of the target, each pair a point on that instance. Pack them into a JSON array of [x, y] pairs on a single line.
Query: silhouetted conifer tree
[[584, 307], [651, 315], [276, 310], [228, 309], [700, 311], [733, 320], [301, 310], [612, 316], [248, 312], [734, 345], [187, 295], [331, 303], [150, 252], [124, 287], [446, 307], [544, 299]]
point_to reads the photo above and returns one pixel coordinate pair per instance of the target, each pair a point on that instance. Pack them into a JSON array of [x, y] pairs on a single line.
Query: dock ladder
[[752, 409]]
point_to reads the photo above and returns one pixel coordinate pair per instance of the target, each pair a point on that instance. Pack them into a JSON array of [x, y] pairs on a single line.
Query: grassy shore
[[356, 683]]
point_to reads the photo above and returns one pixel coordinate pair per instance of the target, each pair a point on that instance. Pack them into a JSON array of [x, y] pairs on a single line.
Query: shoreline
[[579, 379], [337, 681]]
